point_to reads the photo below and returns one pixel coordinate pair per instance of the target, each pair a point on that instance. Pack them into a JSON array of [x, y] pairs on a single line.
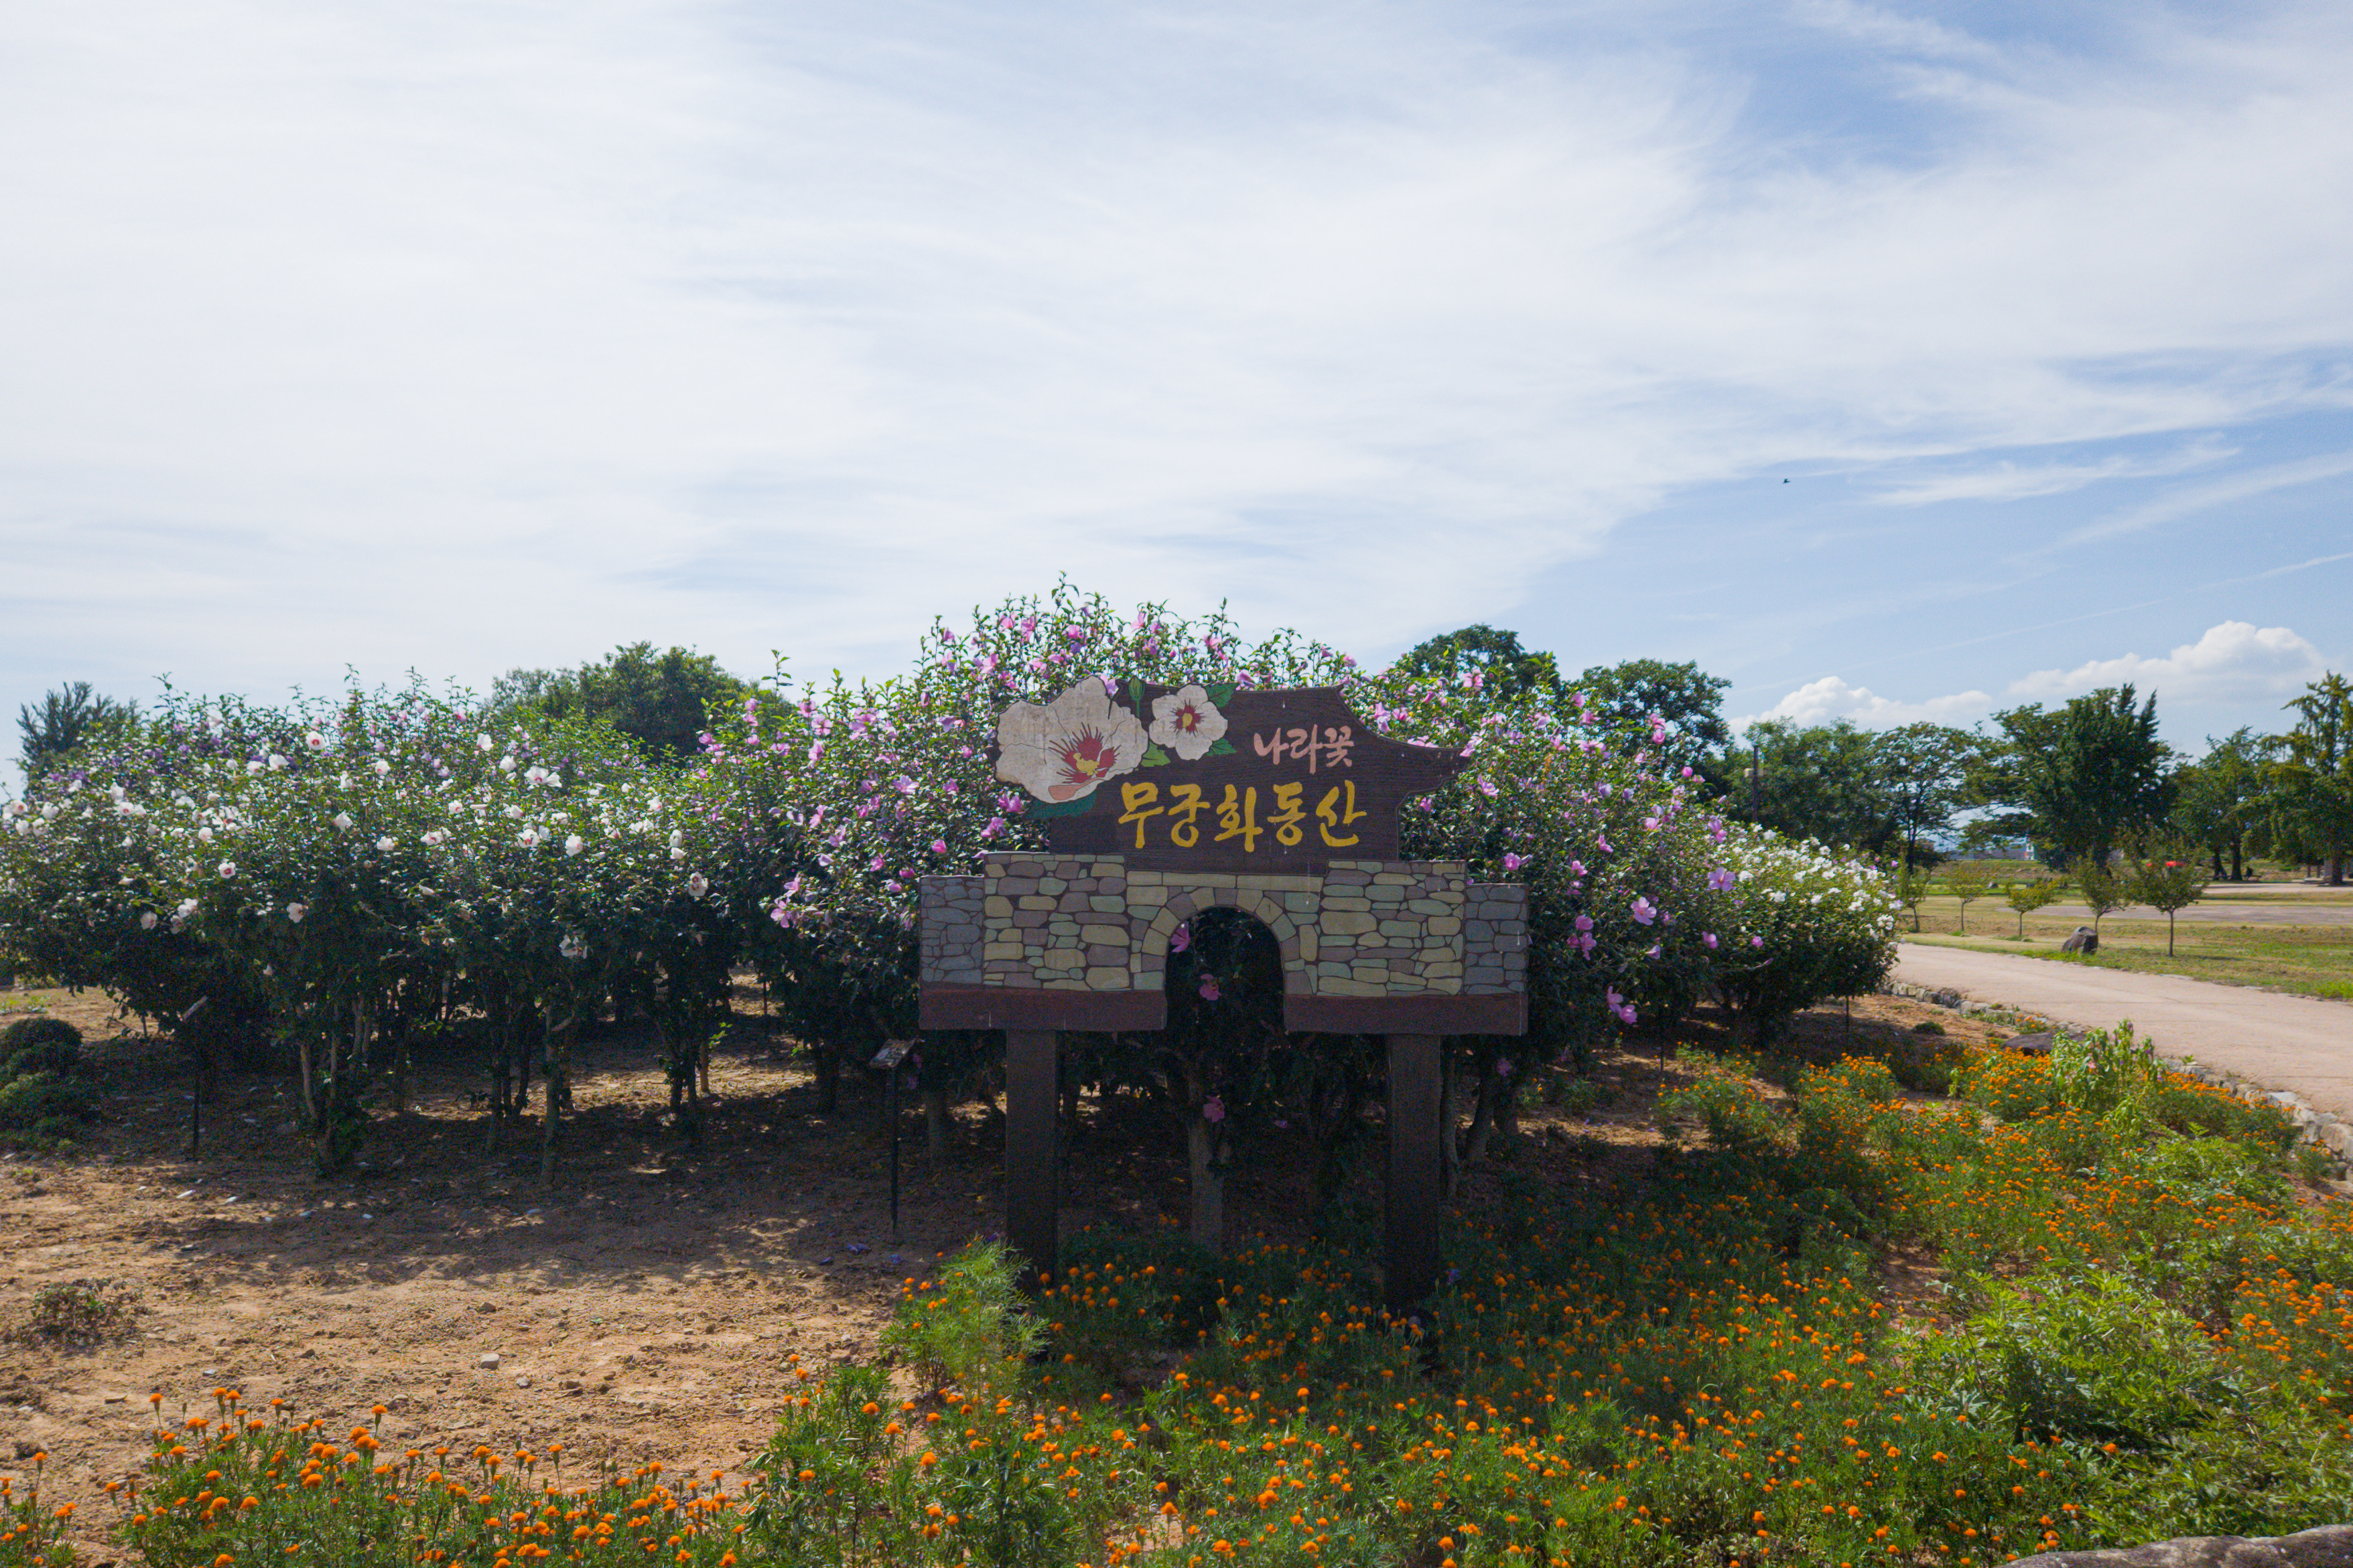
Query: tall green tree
[[1688, 702], [1924, 770], [65, 720], [2311, 795], [2218, 800], [2081, 779], [1820, 781], [1506, 672], [665, 701]]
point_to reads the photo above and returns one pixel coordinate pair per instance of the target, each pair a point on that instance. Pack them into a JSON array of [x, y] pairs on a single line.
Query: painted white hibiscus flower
[[1187, 723], [1062, 750]]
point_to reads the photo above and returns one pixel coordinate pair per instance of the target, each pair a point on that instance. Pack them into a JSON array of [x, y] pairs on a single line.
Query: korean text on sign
[[1237, 815]]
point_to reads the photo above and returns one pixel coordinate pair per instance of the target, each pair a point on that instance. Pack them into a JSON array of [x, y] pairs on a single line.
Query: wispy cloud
[[474, 334], [2008, 480]]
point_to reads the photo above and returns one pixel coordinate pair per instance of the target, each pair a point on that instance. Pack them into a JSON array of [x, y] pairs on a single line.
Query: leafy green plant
[[2082, 1356], [969, 1326], [79, 1311], [1723, 1100]]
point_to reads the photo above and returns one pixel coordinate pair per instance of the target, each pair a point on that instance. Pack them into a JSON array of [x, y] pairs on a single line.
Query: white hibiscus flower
[[1187, 723], [1062, 750]]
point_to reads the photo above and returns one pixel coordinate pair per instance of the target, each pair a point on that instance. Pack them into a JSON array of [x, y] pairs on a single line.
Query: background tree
[[1924, 772], [2219, 799], [1968, 881], [665, 702], [2100, 889], [1689, 700], [2310, 800], [1820, 781], [2031, 893], [66, 718], [2081, 779], [2168, 884], [1506, 672]]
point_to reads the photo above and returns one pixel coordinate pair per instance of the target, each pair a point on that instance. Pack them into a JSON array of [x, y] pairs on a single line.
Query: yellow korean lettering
[[1331, 813], [1238, 818], [1139, 798], [1184, 804], [1290, 811]]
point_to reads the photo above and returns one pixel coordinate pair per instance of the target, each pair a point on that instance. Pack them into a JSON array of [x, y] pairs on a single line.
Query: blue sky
[[1891, 362]]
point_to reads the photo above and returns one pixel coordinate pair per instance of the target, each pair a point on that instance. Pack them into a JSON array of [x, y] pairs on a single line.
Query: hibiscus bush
[[339, 879]]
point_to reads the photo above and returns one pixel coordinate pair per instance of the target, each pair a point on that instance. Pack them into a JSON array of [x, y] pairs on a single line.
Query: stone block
[[1001, 949], [1442, 925], [1108, 868], [1302, 903], [1100, 956], [1335, 877], [1345, 985], [1106, 978], [1061, 958], [1434, 908], [1308, 943], [1328, 970], [1036, 901], [1031, 919], [1347, 922], [1395, 879], [1409, 930], [1107, 904], [1097, 933], [1074, 984]]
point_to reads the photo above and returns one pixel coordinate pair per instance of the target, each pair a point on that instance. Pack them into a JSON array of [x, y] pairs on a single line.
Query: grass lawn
[[2310, 959]]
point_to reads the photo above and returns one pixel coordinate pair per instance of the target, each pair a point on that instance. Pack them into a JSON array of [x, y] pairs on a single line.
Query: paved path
[[2282, 1042]]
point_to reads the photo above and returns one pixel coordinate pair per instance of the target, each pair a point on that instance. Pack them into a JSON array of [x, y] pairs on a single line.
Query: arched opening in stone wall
[[1224, 977]]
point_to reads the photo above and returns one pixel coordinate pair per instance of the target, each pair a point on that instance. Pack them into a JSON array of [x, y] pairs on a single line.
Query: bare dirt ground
[[642, 1305]]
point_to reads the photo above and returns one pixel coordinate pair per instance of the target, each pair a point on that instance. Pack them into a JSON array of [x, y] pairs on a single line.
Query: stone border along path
[[2298, 1038]]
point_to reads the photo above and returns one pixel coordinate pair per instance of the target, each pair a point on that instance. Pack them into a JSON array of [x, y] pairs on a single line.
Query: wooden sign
[[1208, 778]]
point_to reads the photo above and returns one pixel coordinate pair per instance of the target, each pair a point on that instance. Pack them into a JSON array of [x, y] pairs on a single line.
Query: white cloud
[[1831, 697], [2233, 662]]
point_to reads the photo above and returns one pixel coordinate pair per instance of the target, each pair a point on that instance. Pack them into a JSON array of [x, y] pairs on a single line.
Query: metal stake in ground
[[887, 1058]]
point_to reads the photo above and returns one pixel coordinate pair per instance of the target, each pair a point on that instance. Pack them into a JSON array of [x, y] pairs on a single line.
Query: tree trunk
[[404, 1068], [1208, 1182], [825, 1062], [935, 1124], [310, 1094], [559, 1076], [1482, 1128]]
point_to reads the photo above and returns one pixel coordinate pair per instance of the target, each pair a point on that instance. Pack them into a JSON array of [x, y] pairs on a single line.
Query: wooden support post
[[1415, 1175], [1030, 1106]]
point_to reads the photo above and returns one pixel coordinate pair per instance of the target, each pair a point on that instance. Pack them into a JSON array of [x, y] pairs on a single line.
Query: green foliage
[[2200, 1170], [77, 1311], [2080, 1356], [2029, 894], [1673, 710], [2099, 887], [2310, 785], [664, 701], [67, 720], [968, 1327], [2082, 779], [39, 1045], [1493, 661], [1723, 1097]]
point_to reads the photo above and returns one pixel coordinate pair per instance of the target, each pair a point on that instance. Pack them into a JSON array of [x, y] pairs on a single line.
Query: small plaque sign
[[1209, 778]]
